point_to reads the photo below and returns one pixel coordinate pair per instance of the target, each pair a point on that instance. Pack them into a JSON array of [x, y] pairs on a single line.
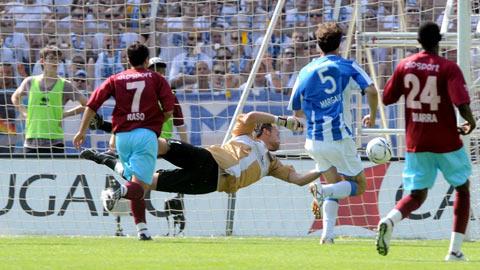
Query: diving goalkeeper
[[244, 160]]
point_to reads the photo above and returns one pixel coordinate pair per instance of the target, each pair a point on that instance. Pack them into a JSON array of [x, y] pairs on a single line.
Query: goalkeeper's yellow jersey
[[243, 160]]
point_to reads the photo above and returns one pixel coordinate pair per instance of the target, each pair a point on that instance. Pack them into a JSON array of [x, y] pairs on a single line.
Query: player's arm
[[295, 103], [303, 179], [366, 85], [17, 97], [458, 92], [76, 96], [80, 136], [99, 96], [288, 174], [372, 97], [251, 119], [166, 98], [393, 89], [74, 111], [467, 127]]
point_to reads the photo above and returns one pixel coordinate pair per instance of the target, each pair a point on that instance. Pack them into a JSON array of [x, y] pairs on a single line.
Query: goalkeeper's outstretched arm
[[303, 179], [290, 122]]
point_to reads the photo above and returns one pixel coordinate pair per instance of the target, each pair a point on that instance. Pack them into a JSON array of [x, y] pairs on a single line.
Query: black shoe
[[111, 153], [94, 155], [455, 256], [88, 154], [144, 237]]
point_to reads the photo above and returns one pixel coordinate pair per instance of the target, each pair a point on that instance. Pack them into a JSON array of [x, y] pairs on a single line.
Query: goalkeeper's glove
[[96, 122], [290, 122]]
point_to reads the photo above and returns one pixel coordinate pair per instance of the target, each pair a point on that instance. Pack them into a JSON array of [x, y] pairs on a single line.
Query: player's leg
[[316, 151], [138, 153], [342, 158], [419, 174], [330, 213], [333, 193], [344, 174], [403, 209], [200, 177], [461, 211], [182, 154], [135, 193], [103, 159], [456, 168], [350, 186], [112, 162]]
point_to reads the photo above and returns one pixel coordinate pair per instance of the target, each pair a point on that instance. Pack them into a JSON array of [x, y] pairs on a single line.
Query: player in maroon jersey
[[432, 86], [137, 122]]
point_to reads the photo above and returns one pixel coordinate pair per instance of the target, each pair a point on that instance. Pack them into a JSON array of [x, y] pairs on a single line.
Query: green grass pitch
[[224, 253]]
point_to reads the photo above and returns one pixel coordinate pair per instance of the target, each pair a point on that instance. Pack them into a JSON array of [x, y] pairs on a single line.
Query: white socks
[[456, 241], [338, 190], [123, 190], [118, 168], [333, 192], [395, 216], [142, 228], [330, 212]]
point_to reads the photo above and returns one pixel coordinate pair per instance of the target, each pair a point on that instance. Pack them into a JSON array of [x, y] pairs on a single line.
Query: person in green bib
[[47, 94]]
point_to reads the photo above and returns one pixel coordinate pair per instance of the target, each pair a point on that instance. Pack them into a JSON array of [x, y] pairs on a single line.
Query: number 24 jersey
[[432, 85]]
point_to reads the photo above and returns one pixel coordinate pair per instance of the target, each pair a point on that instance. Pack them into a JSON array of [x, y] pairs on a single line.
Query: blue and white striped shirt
[[322, 91]]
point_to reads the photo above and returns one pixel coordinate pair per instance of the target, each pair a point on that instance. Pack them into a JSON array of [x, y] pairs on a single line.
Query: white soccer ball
[[379, 150]]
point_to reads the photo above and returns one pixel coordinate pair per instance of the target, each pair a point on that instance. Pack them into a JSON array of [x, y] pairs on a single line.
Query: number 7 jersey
[[432, 85], [141, 97]]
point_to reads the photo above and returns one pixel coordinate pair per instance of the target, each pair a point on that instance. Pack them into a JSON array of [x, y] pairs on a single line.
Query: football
[[379, 150]]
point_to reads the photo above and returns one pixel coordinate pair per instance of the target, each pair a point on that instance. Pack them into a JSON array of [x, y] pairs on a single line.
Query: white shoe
[[453, 256], [384, 234], [318, 197], [327, 241]]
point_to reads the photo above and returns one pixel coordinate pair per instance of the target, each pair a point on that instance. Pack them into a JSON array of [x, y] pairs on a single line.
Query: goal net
[[209, 48]]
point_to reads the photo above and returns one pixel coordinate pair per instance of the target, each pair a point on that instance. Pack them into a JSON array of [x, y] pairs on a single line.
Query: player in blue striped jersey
[[322, 95]]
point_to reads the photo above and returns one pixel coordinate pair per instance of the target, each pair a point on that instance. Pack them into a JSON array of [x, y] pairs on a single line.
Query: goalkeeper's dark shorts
[[198, 173]]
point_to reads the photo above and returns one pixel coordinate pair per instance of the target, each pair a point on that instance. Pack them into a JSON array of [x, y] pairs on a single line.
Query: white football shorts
[[340, 154]]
